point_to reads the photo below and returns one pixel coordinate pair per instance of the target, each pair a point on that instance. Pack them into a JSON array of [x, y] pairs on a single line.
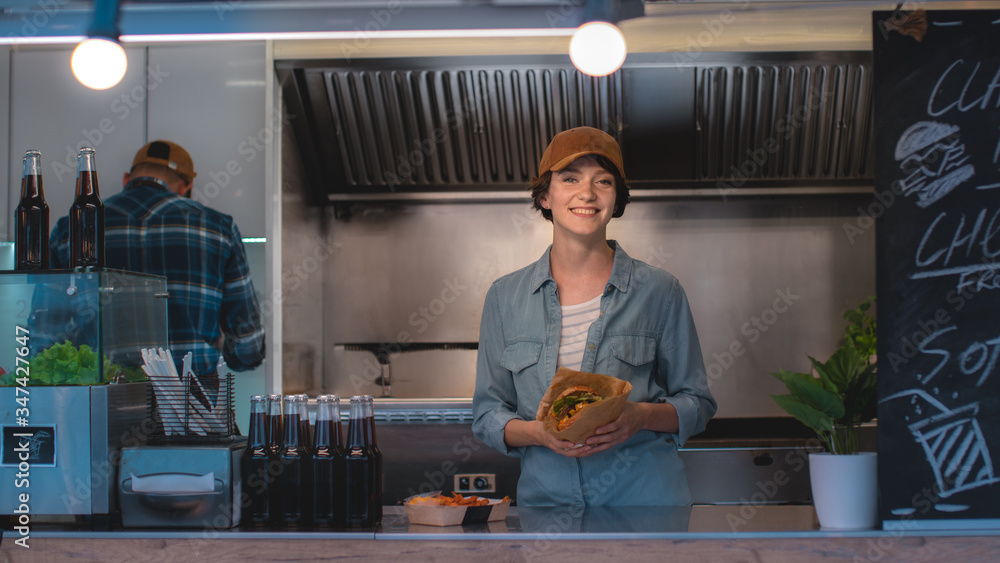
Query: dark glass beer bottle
[[328, 464], [305, 434], [358, 471], [86, 216], [293, 460], [256, 466], [376, 498], [31, 218], [273, 420], [305, 441], [274, 442]]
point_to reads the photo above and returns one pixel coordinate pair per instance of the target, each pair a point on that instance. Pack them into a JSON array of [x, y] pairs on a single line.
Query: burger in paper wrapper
[[577, 403]]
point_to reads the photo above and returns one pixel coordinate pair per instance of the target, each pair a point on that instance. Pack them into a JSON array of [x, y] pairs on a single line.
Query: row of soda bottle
[[297, 476], [86, 216]]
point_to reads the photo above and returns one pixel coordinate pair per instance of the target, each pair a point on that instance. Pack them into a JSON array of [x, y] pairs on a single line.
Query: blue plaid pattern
[[200, 251]]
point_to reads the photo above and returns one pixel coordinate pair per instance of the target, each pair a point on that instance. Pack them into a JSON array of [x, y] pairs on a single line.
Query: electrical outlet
[[475, 483]]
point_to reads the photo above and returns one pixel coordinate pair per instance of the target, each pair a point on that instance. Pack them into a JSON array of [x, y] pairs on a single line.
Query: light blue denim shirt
[[645, 335]]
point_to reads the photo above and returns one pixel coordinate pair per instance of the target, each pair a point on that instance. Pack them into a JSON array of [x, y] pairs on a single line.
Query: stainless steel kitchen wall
[[768, 279]]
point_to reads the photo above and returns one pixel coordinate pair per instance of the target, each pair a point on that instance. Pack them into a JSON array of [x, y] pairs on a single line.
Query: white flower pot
[[844, 489]]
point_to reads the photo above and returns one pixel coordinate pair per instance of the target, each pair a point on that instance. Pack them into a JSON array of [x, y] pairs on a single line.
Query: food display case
[[73, 391]]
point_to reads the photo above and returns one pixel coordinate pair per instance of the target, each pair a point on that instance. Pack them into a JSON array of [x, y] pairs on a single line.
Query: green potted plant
[[839, 399], [834, 403]]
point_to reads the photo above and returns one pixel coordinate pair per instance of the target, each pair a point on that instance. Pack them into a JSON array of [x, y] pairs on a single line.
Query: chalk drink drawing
[[952, 441]]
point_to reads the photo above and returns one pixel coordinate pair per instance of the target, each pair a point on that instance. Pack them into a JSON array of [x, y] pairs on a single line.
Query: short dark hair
[[540, 186]]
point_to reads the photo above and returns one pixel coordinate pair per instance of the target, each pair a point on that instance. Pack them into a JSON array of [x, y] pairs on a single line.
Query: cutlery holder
[[193, 408]]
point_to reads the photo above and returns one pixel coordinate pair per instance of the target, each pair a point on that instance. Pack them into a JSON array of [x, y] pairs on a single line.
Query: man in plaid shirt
[[154, 227]]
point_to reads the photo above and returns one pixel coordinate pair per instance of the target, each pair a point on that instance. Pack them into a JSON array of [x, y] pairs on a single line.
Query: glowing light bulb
[[99, 64], [597, 48]]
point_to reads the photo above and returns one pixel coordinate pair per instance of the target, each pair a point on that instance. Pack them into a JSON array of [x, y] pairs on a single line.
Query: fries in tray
[[454, 500], [435, 509]]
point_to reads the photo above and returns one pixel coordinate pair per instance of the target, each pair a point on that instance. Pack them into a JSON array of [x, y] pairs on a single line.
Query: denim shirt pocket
[[634, 350], [520, 355]]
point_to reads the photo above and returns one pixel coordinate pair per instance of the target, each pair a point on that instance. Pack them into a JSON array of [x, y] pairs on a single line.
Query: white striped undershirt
[[576, 321]]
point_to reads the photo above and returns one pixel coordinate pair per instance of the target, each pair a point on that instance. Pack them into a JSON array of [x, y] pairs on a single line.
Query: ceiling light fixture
[[598, 47], [99, 62]]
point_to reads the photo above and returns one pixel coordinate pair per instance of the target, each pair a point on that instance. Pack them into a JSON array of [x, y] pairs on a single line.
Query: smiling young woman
[[586, 305]]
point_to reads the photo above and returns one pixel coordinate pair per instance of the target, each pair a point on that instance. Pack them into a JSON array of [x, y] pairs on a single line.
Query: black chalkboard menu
[[937, 201]]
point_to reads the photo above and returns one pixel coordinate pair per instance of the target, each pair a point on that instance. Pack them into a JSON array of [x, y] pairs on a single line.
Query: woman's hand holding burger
[[562, 447], [658, 417], [608, 436], [633, 418], [519, 433], [616, 432], [572, 407]]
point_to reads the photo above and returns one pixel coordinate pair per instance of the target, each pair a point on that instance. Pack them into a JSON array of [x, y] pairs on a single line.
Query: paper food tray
[[437, 515]]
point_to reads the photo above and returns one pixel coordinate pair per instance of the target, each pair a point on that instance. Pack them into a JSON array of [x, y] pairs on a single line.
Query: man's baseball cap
[[168, 154], [571, 144]]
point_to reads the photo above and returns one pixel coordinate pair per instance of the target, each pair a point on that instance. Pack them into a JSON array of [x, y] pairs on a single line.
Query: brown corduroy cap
[[571, 144], [168, 154]]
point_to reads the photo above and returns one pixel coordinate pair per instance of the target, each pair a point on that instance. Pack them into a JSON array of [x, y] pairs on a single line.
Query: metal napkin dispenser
[[181, 486]]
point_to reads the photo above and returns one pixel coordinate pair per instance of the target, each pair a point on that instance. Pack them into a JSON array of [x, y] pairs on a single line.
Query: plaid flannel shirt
[[199, 250]]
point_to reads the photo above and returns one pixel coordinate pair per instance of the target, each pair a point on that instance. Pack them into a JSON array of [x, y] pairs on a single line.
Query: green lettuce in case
[[65, 364]]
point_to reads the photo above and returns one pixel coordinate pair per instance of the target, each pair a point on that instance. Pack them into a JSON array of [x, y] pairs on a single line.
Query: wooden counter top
[[701, 533]]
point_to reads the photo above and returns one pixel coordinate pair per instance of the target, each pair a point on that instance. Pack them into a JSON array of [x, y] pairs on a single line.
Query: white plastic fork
[[162, 386]]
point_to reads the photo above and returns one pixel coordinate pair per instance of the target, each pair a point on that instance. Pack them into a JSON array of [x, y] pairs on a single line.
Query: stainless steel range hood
[[378, 127]]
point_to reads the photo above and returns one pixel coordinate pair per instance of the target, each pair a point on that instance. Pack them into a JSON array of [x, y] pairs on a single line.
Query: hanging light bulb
[[99, 63], [597, 48]]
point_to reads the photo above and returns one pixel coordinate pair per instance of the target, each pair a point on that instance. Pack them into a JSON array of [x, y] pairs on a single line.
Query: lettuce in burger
[[571, 402]]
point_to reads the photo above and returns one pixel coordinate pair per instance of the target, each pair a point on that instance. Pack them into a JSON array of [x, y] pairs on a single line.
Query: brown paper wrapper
[[614, 393]]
